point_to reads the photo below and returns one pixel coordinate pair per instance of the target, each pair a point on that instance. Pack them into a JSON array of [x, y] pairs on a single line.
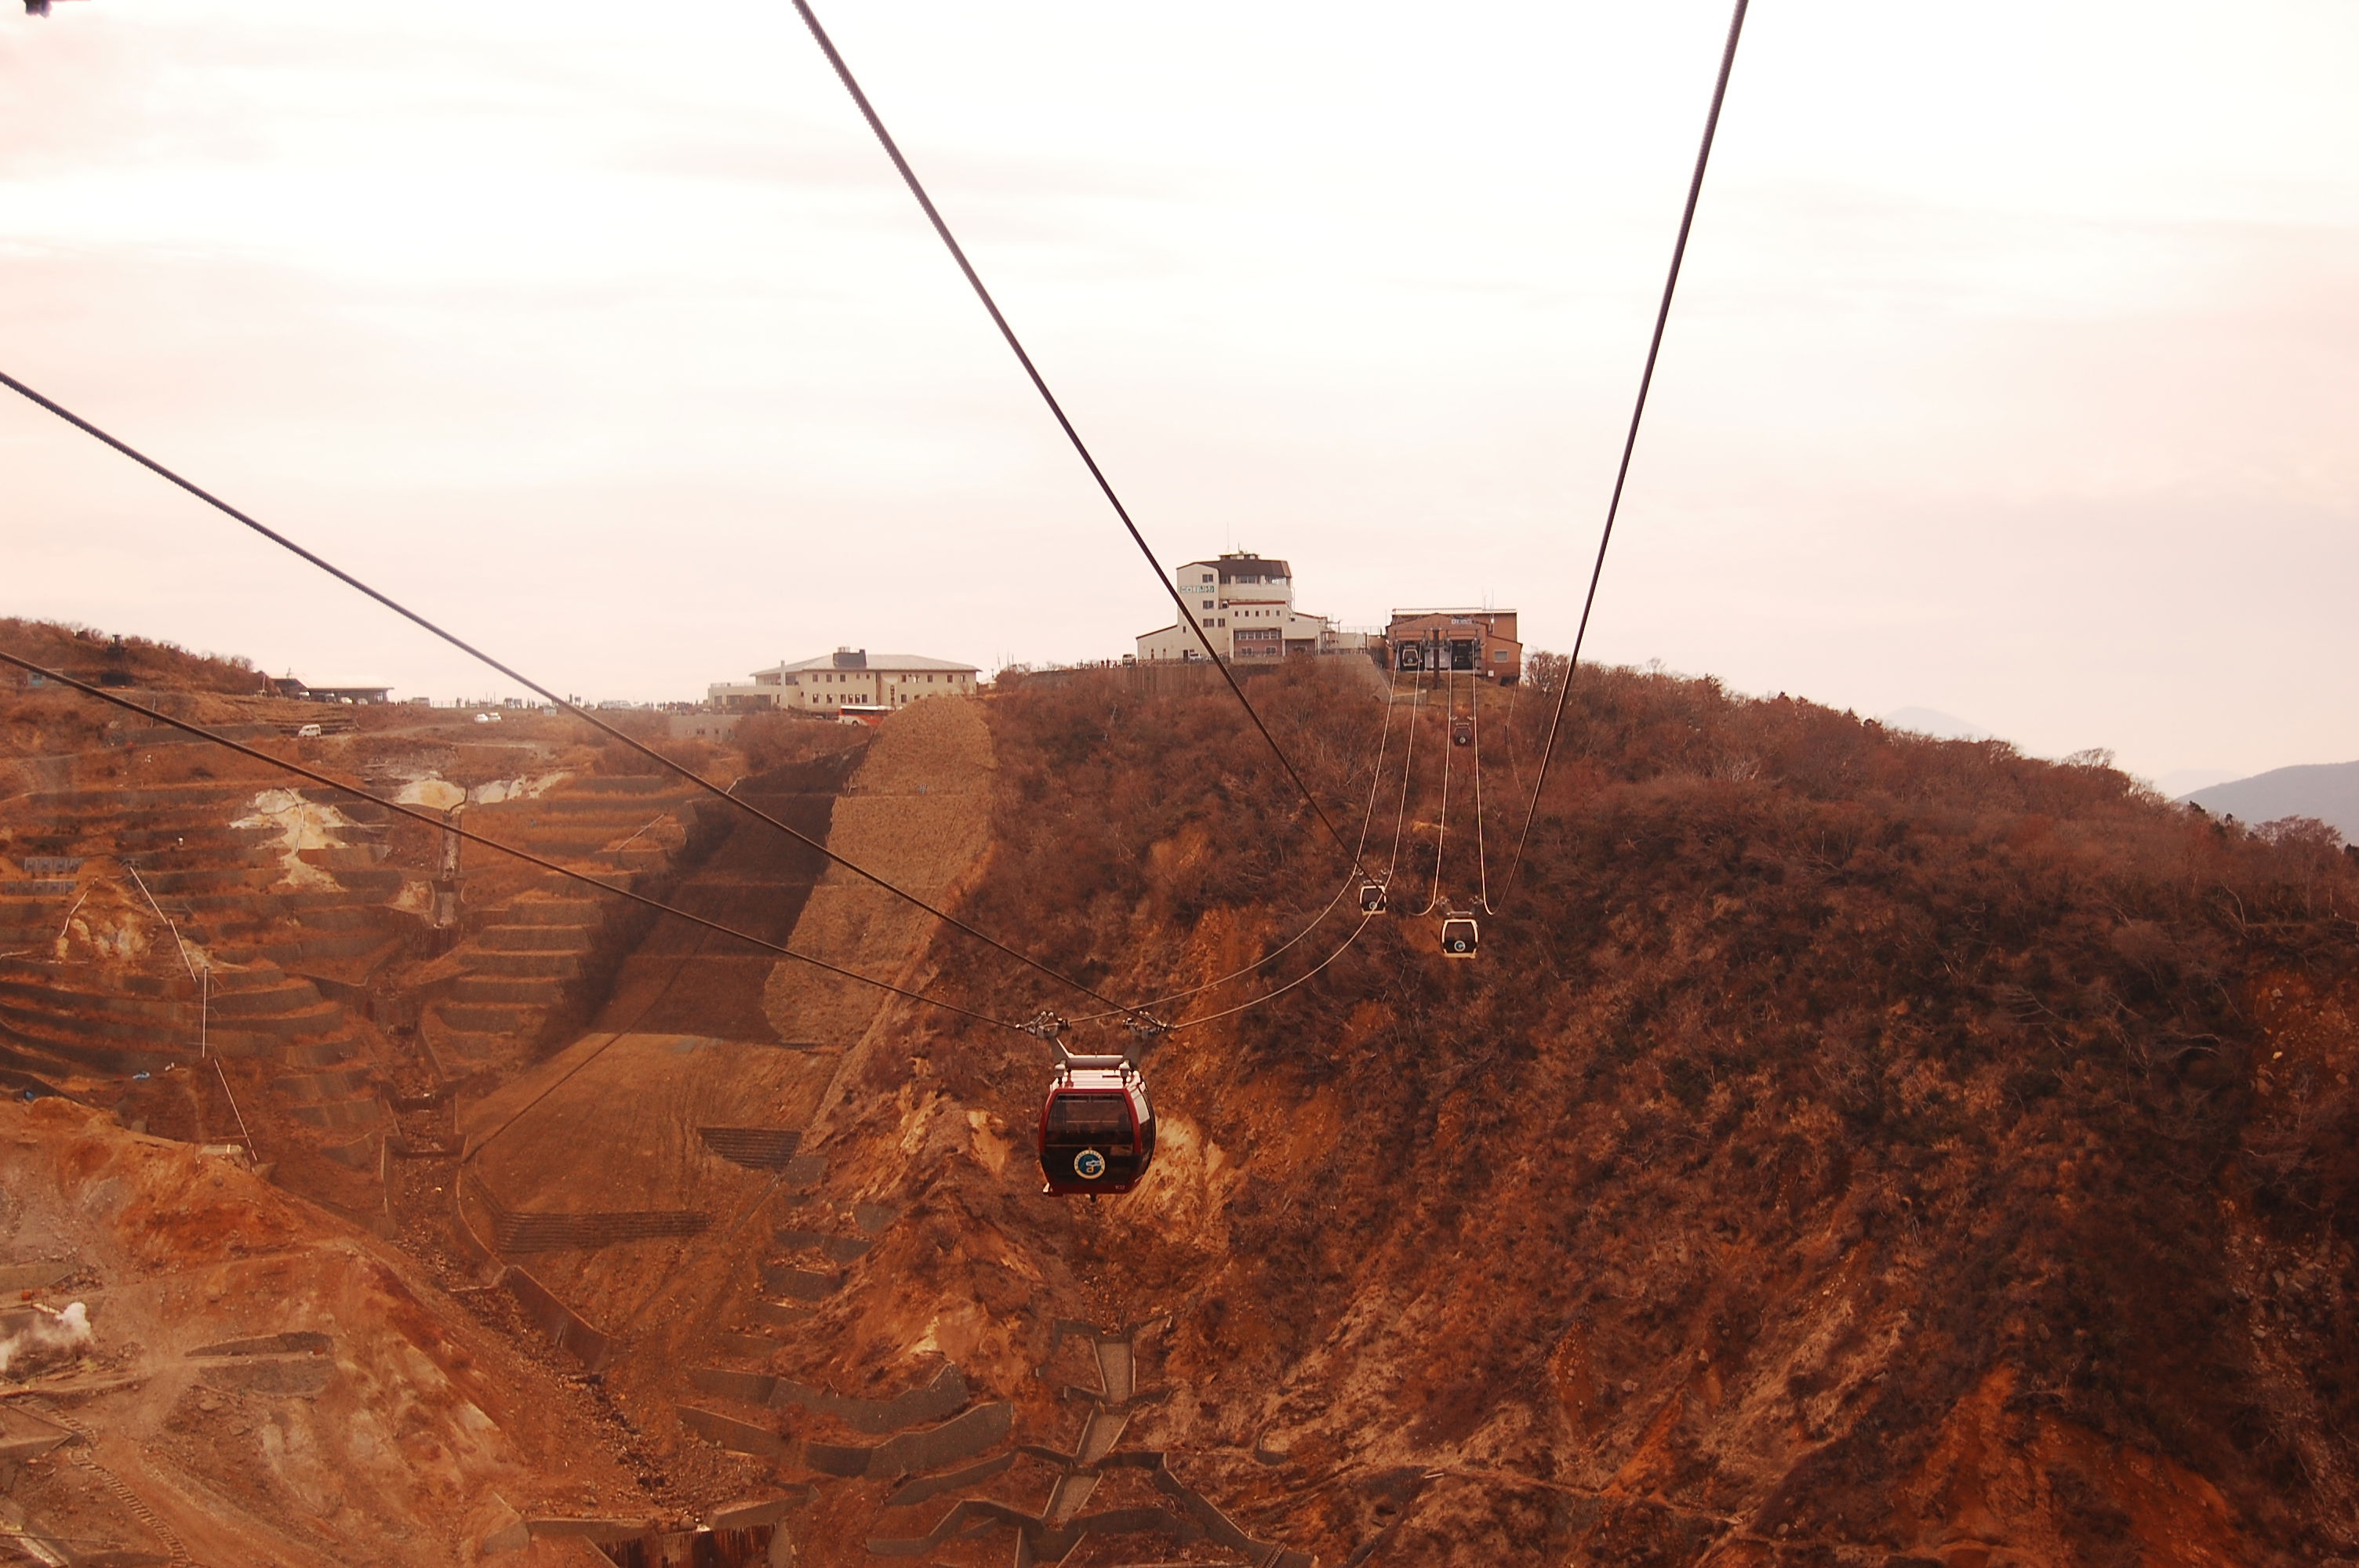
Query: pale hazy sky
[[2015, 373]]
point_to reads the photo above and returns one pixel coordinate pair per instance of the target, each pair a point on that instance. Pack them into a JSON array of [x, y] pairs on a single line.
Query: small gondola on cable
[[1097, 1125], [1372, 896], [1460, 936], [1461, 731]]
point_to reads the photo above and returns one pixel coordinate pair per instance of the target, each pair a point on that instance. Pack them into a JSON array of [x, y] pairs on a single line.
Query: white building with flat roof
[[1245, 603], [851, 677]]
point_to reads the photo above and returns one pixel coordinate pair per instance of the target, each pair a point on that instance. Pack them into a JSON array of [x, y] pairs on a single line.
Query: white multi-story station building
[[1245, 605]]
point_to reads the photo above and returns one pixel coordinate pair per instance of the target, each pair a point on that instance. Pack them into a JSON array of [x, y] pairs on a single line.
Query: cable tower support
[[435, 821], [1057, 410], [586, 715], [1638, 413]]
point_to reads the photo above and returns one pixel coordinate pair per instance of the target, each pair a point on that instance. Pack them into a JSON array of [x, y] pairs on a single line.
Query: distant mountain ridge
[[2181, 782], [2328, 791]]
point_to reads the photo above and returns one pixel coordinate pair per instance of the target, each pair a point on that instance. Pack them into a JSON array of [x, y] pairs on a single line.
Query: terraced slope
[[1850, 1150], [217, 954]]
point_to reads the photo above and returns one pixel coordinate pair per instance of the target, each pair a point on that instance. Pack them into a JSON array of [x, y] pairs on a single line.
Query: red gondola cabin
[[1097, 1127]]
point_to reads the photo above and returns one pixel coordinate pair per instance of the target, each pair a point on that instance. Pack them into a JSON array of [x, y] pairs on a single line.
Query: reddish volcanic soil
[[1848, 1149]]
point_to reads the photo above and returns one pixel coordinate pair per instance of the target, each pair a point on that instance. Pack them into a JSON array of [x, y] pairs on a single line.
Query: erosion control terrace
[[1849, 1148]]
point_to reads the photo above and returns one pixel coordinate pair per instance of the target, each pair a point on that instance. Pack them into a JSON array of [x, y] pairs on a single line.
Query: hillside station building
[[1483, 641], [849, 677], [1245, 605]]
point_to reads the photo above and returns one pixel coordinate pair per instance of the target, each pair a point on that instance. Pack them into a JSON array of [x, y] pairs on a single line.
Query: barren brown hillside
[[1848, 1148]]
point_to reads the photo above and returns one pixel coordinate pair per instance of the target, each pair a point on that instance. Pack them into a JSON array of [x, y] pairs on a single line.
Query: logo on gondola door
[[1088, 1164]]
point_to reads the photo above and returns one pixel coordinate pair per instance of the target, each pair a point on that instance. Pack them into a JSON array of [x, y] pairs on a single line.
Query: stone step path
[[1059, 1528], [742, 1534], [929, 1403]]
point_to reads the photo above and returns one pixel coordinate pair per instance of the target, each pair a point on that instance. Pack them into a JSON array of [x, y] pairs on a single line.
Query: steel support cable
[[1057, 410], [1281, 990], [1377, 773], [1514, 768], [1408, 767], [1442, 830], [1349, 883], [1481, 859], [435, 821], [1637, 412], [281, 540], [1339, 952], [1153, 1002]]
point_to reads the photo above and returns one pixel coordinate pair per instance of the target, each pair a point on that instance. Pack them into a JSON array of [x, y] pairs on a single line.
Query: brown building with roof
[[1483, 641]]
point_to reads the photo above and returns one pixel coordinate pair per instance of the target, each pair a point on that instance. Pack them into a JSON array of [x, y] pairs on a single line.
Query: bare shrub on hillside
[[1785, 1008], [87, 654], [773, 740], [615, 759], [1545, 671]]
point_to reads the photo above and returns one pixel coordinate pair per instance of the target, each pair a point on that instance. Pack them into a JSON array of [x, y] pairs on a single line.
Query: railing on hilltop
[[1155, 676]]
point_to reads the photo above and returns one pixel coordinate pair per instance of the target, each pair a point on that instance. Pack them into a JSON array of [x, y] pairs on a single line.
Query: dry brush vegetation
[[1845, 1136]]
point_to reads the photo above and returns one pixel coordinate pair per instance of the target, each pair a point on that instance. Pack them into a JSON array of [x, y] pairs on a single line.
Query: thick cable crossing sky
[[1056, 409], [1638, 413]]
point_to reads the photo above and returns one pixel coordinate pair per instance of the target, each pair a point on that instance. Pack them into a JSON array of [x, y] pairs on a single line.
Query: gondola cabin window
[[1089, 1118]]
